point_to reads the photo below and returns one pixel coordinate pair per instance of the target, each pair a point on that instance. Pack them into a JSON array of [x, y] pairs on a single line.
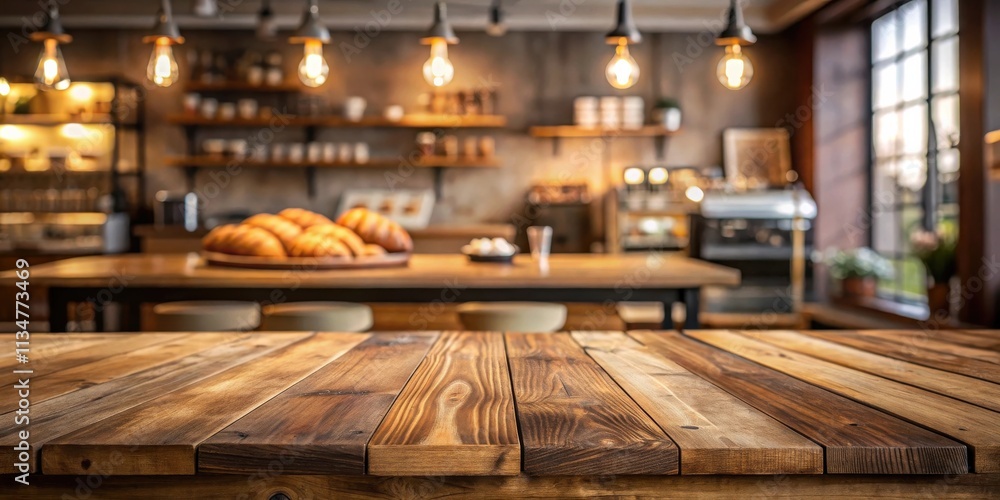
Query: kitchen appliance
[[650, 209], [172, 209], [79, 233]]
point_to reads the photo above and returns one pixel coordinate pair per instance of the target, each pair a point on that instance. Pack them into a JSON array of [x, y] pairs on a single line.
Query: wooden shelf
[[54, 120], [577, 131], [236, 86], [412, 121], [428, 162]]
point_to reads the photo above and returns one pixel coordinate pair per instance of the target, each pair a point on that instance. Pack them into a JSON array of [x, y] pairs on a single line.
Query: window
[[914, 171]]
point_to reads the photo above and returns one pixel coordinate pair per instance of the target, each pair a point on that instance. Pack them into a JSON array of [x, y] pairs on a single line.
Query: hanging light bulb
[[4, 88], [51, 70], [438, 70], [313, 69], [622, 72], [162, 67], [495, 26], [734, 70]]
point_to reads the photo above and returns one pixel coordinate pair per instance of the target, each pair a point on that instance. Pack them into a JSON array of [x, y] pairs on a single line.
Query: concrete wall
[[536, 75]]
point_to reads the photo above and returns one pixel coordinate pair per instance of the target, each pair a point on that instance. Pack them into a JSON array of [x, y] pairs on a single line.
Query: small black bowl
[[493, 259]]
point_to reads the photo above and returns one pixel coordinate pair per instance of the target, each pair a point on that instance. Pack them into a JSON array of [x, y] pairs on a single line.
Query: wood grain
[[264, 485], [424, 270], [103, 370], [903, 350], [63, 414], [574, 418], [716, 432], [45, 362], [322, 424], [49, 346], [941, 341], [968, 389], [857, 439], [160, 435], [455, 416], [970, 424]]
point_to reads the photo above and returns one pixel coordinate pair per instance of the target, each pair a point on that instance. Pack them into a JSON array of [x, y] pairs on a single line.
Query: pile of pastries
[[296, 232]]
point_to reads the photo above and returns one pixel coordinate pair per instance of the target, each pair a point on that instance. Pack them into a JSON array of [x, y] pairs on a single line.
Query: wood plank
[[160, 435], [716, 432], [51, 352], [322, 424], [977, 427], [66, 413], [968, 389], [455, 417], [106, 349], [781, 487], [982, 339], [574, 419], [908, 352], [857, 439], [100, 371], [933, 340]]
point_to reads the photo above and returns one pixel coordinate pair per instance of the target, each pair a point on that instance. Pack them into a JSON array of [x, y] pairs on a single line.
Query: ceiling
[[764, 16]]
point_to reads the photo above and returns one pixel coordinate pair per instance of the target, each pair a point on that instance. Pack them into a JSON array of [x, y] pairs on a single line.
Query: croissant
[[284, 229], [304, 217], [373, 250], [341, 233], [318, 245], [243, 240], [375, 229]]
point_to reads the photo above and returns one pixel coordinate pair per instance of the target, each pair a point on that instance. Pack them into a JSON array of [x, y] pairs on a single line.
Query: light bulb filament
[[438, 70], [313, 70], [622, 72]]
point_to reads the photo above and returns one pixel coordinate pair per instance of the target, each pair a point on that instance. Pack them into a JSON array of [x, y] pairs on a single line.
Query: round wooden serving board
[[306, 263]]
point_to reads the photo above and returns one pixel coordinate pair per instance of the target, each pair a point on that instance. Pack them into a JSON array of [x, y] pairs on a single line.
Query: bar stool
[[541, 317], [206, 316], [317, 316]]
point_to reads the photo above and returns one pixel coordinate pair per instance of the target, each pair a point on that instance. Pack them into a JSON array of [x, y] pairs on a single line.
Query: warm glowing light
[[74, 131], [51, 72], [81, 92], [438, 70], [162, 68], [658, 175], [734, 70], [4, 87], [695, 194], [313, 70], [622, 71], [11, 133], [634, 175]]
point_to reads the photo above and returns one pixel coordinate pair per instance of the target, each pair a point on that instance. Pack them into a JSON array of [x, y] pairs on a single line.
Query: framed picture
[[757, 157]]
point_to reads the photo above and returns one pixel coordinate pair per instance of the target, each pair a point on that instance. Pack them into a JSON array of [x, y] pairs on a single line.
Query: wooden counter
[[852, 414], [594, 278]]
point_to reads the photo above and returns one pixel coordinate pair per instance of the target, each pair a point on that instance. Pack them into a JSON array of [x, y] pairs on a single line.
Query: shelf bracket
[[438, 182], [660, 143], [311, 182], [556, 146], [190, 174]]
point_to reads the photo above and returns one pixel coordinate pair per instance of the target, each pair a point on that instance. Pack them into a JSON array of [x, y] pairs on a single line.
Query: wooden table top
[[564, 271], [703, 402]]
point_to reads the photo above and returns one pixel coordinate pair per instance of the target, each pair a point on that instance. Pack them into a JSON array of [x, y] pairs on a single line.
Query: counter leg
[[58, 310], [690, 297]]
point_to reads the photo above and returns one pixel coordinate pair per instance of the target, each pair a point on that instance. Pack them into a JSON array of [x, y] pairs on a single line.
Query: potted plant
[[937, 252], [858, 270], [667, 113]]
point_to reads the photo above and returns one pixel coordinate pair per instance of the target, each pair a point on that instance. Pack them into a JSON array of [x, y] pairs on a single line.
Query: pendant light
[[162, 68], [622, 72], [495, 25], [266, 26], [313, 70], [51, 71], [734, 70], [438, 70]]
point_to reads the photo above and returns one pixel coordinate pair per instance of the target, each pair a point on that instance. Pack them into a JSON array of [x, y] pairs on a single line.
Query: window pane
[[914, 126], [885, 232], [886, 86], [945, 115], [944, 53], [945, 17], [911, 176], [947, 166], [913, 279], [886, 133], [915, 77], [885, 37], [914, 24]]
